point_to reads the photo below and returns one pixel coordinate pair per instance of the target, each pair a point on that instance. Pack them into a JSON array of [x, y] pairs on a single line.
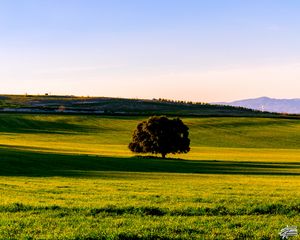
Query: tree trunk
[[163, 155]]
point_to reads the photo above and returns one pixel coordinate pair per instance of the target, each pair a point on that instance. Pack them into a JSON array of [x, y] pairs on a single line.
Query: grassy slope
[[72, 177], [212, 138]]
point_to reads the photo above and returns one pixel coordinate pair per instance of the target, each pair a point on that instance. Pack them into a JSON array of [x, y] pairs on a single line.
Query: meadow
[[72, 177]]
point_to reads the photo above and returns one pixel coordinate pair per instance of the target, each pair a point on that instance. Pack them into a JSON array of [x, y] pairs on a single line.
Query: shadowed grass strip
[[276, 208], [20, 207], [111, 210]]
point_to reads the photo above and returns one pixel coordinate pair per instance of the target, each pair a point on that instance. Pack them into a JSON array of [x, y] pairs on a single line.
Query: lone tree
[[160, 135]]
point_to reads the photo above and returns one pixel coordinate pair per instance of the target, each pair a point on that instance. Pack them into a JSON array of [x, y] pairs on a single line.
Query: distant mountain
[[291, 106]]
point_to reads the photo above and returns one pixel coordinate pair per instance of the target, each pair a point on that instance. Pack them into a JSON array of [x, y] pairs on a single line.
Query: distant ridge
[[291, 106], [117, 106]]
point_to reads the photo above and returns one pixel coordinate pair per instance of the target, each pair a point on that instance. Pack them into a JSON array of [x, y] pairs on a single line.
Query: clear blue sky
[[216, 50]]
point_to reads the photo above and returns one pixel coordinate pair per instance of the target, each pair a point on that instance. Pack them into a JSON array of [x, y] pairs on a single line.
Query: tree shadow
[[19, 161]]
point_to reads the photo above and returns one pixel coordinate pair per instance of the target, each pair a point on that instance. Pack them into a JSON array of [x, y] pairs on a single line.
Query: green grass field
[[72, 177]]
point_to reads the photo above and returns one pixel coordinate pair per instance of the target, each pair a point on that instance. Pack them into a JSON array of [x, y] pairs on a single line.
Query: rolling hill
[[117, 106]]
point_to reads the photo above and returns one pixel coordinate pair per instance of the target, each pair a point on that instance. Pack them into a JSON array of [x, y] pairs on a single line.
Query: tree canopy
[[160, 135]]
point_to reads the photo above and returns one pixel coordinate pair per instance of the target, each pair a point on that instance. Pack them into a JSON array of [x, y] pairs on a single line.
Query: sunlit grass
[[171, 205]]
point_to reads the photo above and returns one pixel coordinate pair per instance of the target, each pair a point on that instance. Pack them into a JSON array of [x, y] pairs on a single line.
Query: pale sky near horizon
[[217, 50]]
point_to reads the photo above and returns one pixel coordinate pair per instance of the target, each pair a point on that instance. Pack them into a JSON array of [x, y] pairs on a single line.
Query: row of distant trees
[[202, 104]]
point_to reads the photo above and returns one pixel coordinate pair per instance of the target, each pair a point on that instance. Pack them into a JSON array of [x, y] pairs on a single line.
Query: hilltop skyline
[[189, 50]]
